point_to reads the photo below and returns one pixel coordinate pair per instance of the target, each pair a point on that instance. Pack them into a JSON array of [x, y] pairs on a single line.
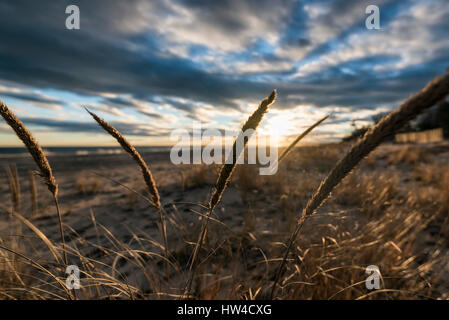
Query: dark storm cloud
[[229, 14], [75, 126], [67, 126], [41, 52], [183, 105], [119, 101], [119, 50], [31, 97], [151, 114]]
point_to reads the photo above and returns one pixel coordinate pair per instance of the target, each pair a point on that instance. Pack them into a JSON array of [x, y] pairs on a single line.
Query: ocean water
[[6, 152]]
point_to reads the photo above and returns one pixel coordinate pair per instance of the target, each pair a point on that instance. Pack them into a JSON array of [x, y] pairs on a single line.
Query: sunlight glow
[[280, 126]]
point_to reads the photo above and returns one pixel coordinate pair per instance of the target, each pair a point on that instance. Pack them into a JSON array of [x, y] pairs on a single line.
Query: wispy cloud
[[32, 96]]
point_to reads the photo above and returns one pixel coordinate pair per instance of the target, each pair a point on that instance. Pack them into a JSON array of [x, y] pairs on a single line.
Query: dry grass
[[246, 180], [39, 158], [199, 176], [371, 192], [33, 193], [317, 159], [14, 186], [88, 185], [348, 234], [224, 177], [409, 155], [146, 173], [287, 150], [395, 218], [435, 91], [226, 170]]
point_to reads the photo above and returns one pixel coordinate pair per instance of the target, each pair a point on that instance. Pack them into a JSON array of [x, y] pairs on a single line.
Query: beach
[[106, 213]]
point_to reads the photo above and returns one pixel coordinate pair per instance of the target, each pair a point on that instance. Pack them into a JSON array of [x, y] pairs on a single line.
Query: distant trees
[[360, 131], [443, 117], [436, 117], [357, 132]]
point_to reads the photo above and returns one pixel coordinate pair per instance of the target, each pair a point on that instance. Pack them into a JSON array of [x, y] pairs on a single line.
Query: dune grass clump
[[328, 263], [146, 173], [434, 92], [224, 177], [40, 159], [14, 186], [33, 192], [129, 148], [285, 153]]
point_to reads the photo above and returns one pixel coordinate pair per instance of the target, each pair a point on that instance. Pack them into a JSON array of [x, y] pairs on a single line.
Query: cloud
[[173, 61], [126, 128], [413, 37], [228, 25], [34, 97], [91, 60]]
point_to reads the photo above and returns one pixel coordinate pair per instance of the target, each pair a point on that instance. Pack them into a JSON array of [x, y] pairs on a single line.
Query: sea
[[12, 152]]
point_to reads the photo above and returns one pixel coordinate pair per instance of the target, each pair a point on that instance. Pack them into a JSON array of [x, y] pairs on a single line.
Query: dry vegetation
[[392, 212]]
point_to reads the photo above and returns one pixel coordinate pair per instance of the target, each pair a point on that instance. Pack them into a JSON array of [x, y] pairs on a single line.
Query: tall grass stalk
[[33, 192], [146, 173], [434, 91], [13, 186], [39, 158], [300, 137], [223, 180]]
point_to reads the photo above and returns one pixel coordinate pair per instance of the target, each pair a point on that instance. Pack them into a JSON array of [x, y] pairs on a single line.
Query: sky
[[150, 67]]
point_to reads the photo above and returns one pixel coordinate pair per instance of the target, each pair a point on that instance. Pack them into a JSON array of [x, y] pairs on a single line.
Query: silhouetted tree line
[[436, 117]]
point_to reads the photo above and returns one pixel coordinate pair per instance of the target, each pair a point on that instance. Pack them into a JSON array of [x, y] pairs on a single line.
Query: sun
[[279, 126]]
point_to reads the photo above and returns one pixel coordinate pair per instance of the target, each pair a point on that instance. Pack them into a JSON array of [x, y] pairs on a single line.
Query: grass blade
[[435, 91]]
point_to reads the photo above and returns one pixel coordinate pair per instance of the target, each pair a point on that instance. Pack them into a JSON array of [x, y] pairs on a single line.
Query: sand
[[99, 211]]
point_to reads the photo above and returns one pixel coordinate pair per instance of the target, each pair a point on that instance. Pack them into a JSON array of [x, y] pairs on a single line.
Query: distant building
[[436, 117], [432, 126], [434, 135]]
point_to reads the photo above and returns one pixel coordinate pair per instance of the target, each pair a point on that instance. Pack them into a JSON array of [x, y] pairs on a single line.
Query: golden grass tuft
[[224, 177], [33, 192], [14, 186], [226, 170], [39, 157], [403, 231], [146, 173], [434, 92], [33, 147], [300, 137]]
